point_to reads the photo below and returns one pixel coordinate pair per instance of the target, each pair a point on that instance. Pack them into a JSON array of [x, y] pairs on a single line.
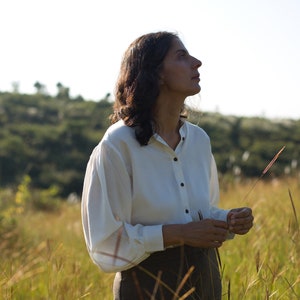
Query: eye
[[182, 53]]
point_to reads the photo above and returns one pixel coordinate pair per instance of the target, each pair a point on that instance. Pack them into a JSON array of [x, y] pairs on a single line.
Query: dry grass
[[265, 264], [44, 255]]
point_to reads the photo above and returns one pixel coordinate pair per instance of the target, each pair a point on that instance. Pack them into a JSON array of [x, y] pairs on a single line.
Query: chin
[[195, 91]]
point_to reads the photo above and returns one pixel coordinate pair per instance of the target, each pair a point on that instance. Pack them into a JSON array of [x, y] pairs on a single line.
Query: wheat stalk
[[294, 209], [266, 169], [183, 281]]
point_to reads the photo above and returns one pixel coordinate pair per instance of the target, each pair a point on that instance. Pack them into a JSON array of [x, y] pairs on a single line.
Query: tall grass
[[43, 255], [265, 264]]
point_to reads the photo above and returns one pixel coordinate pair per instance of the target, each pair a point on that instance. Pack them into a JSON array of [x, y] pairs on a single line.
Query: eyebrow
[[182, 51]]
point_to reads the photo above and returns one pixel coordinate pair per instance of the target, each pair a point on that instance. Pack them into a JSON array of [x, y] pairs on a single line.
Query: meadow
[[43, 255]]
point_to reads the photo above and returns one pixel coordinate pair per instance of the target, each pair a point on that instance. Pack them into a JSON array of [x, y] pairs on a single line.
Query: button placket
[[182, 186]]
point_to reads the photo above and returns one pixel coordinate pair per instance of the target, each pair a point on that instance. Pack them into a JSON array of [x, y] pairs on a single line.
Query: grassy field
[[43, 255]]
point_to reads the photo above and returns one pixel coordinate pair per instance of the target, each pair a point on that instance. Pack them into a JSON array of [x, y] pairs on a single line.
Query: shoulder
[[119, 131], [196, 131], [118, 139]]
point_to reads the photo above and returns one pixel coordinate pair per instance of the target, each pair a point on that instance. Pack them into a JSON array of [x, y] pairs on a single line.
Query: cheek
[[173, 72], [174, 78]]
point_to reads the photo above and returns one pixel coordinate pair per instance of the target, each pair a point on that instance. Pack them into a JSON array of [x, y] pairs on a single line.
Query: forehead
[[176, 46]]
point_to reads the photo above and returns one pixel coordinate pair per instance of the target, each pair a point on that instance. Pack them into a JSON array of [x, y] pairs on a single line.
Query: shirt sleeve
[[216, 213], [113, 243]]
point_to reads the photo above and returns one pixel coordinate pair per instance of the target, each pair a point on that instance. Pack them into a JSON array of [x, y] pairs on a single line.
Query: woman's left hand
[[240, 220]]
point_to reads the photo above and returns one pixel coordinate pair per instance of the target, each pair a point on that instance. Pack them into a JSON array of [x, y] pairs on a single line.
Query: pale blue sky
[[250, 49]]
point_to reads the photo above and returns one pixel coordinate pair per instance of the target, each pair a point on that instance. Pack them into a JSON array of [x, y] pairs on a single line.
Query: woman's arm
[[206, 233], [113, 243]]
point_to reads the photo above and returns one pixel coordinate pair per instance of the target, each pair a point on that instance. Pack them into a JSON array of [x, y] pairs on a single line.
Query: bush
[[46, 200]]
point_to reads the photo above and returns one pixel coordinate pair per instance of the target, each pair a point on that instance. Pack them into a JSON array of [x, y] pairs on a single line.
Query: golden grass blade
[[183, 281], [189, 292], [137, 285], [266, 169], [219, 257], [228, 290], [252, 188], [120, 231], [294, 209], [257, 261], [291, 287], [157, 282]]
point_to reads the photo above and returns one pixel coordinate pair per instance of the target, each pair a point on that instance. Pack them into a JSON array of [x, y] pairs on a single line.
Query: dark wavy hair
[[138, 85]]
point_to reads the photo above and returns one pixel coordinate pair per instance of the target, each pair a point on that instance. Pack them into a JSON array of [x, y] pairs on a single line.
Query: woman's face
[[180, 74]]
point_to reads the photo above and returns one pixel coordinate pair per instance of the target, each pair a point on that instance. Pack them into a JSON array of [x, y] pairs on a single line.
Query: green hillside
[[50, 139]]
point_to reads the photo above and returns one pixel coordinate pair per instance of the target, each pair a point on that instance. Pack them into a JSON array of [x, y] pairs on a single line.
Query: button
[[182, 184], [186, 211], [175, 158]]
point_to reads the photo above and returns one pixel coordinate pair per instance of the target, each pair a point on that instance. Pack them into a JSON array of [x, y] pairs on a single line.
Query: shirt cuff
[[153, 238]]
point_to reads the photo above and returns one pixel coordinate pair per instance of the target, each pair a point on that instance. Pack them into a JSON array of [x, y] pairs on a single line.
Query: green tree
[[62, 91], [40, 88]]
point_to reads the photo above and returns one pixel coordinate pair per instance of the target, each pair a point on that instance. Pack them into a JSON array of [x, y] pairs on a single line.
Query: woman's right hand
[[206, 233]]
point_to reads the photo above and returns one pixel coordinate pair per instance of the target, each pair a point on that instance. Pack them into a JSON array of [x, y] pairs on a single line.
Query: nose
[[197, 63]]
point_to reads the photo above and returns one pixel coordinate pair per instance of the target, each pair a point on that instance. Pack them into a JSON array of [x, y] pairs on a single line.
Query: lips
[[197, 77]]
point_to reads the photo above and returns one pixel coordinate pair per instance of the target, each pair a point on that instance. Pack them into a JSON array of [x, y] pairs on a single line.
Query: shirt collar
[[182, 132]]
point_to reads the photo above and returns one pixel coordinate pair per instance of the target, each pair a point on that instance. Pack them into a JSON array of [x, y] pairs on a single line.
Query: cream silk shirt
[[130, 191]]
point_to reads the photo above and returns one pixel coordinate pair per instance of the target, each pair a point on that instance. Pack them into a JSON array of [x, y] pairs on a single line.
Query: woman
[[151, 189]]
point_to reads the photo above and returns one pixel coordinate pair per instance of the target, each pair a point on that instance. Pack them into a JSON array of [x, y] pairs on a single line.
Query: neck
[[167, 115], [167, 123]]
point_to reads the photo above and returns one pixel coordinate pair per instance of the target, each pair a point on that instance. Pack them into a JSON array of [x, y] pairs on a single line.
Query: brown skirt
[[170, 274]]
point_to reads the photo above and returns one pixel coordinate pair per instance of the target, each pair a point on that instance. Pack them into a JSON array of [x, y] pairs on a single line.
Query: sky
[[250, 49]]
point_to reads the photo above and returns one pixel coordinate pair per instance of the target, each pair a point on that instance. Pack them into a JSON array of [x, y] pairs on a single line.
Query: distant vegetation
[[50, 138]]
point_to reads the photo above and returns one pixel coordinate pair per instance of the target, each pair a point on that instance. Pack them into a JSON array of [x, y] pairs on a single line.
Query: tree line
[[50, 138]]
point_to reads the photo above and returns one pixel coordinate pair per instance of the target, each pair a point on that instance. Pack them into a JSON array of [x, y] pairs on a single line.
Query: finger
[[244, 231], [220, 238], [220, 224], [242, 220], [240, 224], [245, 212], [241, 228], [216, 244]]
